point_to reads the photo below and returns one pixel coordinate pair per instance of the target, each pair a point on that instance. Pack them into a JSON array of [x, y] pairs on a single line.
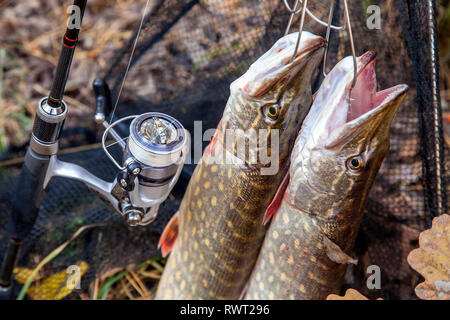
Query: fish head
[[275, 92], [343, 141]]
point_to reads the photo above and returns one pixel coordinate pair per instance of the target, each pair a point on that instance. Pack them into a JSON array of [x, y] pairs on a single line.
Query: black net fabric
[[69, 206], [187, 55]]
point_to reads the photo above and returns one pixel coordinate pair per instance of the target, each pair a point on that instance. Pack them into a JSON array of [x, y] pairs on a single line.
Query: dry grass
[[30, 41], [134, 283]]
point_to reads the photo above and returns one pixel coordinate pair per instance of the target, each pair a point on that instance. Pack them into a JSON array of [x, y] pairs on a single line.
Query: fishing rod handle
[[26, 201], [7, 269], [28, 196], [30, 191]]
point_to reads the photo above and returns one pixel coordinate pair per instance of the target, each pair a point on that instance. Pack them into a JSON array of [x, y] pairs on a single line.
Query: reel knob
[[133, 216]]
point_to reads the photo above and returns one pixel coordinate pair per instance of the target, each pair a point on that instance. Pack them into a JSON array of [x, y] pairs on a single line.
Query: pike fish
[[336, 157], [215, 237]]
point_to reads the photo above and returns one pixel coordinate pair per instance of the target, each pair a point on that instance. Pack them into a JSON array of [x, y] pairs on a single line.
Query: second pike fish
[[336, 157], [218, 231]]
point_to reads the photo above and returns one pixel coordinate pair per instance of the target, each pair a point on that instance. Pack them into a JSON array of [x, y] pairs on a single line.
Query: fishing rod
[[153, 156]]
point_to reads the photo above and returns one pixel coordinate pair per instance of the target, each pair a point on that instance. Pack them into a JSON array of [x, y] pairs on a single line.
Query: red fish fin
[[314, 96], [213, 141], [276, 201], [169, 236]]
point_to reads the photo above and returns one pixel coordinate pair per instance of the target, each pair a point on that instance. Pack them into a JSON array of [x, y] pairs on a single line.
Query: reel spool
[[153, 157]]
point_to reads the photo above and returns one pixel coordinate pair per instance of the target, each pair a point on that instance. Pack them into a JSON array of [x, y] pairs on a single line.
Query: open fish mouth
[[361, 107], [364, 98], [277, 65]]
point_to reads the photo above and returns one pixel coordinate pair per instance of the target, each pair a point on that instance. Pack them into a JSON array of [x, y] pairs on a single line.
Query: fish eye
[[355, 164], [272, 111]]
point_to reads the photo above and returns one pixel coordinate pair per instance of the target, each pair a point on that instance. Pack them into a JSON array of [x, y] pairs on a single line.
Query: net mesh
[[186, 57]]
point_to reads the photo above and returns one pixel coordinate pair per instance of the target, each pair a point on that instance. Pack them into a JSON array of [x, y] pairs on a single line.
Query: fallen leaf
[[350, 294], [56, 286], [432, 260], [22, 274]]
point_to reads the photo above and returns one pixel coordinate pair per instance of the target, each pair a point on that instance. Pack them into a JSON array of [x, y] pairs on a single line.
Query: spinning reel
[[153, 157]]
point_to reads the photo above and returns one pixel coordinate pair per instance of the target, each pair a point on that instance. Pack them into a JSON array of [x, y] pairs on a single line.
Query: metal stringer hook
[[352, 43], [347, 24]]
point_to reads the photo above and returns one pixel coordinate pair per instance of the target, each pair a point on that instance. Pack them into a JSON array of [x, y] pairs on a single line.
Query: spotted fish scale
[[334, 162], [219, 227]]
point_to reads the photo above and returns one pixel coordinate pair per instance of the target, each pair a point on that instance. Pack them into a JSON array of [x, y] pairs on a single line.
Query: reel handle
[[102, 100]]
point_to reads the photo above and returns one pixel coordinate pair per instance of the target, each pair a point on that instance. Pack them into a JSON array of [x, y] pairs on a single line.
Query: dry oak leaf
[[350, 294], [432, 260]]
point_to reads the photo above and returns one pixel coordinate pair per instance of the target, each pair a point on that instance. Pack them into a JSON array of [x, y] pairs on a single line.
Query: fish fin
[[244, 292], [314, 96], [169, 236], [336, 254], [213, 141], [276, 201]]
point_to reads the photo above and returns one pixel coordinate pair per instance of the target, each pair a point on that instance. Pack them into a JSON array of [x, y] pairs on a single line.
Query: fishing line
[[296, 10], [129, 62], [117, 142], [347, 25]]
